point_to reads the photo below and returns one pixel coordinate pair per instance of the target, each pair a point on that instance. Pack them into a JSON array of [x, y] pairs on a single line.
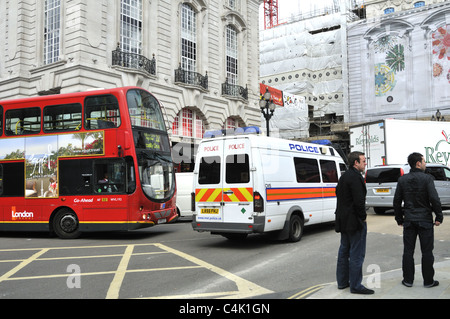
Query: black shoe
[[407, 284], [363, 291], [343, 287], [434, 284]]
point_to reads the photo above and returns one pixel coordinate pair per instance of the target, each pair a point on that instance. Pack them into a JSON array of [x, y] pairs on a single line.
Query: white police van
[[248, 183]]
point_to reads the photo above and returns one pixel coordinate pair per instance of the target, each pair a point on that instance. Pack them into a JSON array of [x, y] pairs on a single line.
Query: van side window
[[307, 170], [329, 171], [343, 168], [209, 172], [237, 169]]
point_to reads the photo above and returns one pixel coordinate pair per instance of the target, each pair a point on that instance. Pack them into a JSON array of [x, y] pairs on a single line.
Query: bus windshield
[[152, 145], [157, 175], [144, 110]]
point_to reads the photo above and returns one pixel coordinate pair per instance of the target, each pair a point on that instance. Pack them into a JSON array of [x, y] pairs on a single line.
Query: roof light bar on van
[[232, 132]]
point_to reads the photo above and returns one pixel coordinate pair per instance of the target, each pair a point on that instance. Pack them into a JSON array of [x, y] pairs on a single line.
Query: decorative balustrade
[[133, 61], [191, 78]]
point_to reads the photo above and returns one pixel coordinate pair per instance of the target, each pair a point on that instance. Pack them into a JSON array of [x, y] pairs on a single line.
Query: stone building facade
[[199, 58]]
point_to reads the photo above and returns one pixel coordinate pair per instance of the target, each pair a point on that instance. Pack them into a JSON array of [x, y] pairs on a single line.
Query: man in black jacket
[[351, 223], [418, 193]]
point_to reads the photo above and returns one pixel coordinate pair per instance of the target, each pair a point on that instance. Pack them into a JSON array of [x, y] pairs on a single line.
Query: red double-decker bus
[[90, 161]]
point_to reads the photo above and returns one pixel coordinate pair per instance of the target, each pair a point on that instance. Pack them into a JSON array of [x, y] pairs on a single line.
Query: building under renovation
[[306, 56], [358, 62]]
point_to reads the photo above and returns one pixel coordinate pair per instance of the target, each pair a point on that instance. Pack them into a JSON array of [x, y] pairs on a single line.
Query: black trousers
[[425, 231]]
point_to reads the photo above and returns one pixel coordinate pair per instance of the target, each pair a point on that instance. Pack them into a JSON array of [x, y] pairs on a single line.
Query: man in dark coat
[[351, 223], [418, 193]]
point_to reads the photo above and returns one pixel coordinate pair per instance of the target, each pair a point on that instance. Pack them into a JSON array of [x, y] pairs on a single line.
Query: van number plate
[[210, 211], [382, 190]]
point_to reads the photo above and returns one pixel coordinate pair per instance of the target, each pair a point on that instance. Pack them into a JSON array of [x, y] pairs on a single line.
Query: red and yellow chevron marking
[[215, 195], [274, 194], [239, 195]]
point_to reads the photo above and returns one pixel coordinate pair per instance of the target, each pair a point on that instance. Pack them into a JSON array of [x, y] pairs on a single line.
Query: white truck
[[390, 141]]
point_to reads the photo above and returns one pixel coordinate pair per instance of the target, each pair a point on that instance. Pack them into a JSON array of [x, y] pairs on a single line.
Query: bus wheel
[[295, 228], [65, 224]]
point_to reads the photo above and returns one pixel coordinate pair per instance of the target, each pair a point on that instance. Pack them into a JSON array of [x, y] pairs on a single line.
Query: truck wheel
[[66, 225], [295, 228]]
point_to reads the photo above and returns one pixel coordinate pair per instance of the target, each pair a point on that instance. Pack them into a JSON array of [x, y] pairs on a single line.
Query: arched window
[[188, 123], [232, 123], [389, 10]]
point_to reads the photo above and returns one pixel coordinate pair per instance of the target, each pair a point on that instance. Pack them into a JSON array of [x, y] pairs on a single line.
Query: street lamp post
[[267, 107]]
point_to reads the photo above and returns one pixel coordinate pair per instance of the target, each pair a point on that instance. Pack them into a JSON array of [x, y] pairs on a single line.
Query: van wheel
[[295, 228], [66, 225]]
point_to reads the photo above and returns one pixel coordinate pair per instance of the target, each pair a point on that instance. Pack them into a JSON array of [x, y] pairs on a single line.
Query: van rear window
[[209, 170], [383, 175], [238, 169]]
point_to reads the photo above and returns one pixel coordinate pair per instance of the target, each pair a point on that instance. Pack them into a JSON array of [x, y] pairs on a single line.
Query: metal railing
[[134, 61], [191, 78], [234, 90]]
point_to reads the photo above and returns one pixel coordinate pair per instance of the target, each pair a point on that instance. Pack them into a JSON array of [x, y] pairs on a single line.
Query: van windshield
[[383, 175]]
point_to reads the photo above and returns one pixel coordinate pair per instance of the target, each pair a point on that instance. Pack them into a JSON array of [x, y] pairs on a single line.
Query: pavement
[[388, 286]]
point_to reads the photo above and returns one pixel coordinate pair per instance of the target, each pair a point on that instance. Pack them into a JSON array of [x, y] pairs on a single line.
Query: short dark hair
[[354, 156], [413, 158]]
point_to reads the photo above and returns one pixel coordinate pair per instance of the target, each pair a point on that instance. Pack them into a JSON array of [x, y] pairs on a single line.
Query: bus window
[[329, 171], [307, 170], [109, 176], [23, 121], [238, 169], [1, 180], [145, 110], [151, 141], [75, 177], [13, 177], [101, 112], [1, 120], [130, 176], [65, 117], [209, 172]]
